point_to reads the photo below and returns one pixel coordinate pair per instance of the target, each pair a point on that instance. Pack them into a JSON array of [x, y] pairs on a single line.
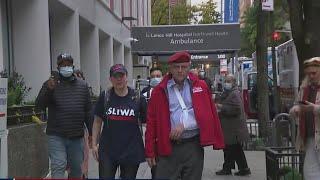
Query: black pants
[[153, 172], [233, 153], [185, 162], [108, 169]]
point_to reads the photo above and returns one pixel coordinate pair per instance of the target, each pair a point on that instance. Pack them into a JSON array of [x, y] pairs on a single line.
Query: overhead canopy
[[159, 40]]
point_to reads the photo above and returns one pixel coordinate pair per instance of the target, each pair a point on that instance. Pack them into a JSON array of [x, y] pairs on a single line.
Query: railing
[[255, 141], [284, 163], [23, 114]]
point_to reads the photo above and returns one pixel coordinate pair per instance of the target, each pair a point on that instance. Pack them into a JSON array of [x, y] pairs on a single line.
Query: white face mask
[[155, 81], [228, 86]]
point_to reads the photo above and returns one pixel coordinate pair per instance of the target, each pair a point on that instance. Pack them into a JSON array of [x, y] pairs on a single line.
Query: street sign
[[3, 129], [197, 39], [267, 5], [194, 57], [3, 104], [223, 62]]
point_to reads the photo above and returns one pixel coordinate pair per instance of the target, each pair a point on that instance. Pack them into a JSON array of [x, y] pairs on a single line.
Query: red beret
[[179, 57]]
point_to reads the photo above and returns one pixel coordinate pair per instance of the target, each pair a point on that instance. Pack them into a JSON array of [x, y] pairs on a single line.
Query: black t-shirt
[[121, 139]]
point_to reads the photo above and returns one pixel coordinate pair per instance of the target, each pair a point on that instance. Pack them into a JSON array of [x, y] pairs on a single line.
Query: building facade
[[95, 32]]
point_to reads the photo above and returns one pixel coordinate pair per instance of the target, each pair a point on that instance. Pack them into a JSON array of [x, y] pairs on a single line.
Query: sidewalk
[[213, 163]]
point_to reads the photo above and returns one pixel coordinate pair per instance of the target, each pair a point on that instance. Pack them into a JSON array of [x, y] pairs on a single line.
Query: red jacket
[[158, 118]]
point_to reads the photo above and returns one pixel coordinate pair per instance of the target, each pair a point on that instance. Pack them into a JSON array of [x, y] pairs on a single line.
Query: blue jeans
[[63, 151]]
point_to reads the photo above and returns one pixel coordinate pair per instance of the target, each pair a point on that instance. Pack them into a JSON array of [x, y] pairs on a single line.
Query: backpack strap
[[106, 103]]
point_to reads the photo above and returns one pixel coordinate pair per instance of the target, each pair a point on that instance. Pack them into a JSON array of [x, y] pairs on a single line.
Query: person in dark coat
[[235, 131], [68, 101]]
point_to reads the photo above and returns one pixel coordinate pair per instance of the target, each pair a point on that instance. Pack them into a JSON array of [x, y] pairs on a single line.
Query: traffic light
[[276, 36]]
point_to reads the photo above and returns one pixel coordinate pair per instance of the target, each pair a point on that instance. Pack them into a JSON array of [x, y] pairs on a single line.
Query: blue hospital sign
[[231, 11]]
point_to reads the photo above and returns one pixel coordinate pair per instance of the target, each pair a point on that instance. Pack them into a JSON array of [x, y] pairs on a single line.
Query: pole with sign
[[3, 129]]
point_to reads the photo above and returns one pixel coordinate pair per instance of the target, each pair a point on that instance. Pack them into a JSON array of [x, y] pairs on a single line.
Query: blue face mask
[[155, 81], [66, 71], [227, 86]]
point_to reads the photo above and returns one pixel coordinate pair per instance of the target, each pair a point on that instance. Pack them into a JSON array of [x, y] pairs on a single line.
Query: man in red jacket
[[181, 120]]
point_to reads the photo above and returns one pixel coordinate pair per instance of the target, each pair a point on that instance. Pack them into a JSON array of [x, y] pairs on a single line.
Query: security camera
[[133, 39]]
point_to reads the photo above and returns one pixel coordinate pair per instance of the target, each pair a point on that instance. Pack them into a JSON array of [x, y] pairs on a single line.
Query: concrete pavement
[[213, 163]]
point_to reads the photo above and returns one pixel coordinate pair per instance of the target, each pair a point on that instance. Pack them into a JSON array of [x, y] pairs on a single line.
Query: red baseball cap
[[180, 57]]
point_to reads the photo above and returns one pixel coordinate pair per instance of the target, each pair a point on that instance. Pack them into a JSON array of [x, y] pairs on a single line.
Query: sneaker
[[243, 172], [223, 172]]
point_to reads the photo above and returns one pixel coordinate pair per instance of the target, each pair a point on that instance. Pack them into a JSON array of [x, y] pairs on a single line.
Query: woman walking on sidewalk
[[306, 114], [234, 128]]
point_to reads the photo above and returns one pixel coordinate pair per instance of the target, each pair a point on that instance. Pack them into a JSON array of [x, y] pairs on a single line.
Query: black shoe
[[243, 172], [223, 172]]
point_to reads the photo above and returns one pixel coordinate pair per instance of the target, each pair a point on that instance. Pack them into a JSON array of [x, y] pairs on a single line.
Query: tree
[[184, 14], [180, 13], [305, 27], [206, 10], [249, 30]]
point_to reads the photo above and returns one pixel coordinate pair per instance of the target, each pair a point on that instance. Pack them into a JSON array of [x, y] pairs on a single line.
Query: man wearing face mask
[[155, 79], [68, 101], [202, 76], [231, 114]]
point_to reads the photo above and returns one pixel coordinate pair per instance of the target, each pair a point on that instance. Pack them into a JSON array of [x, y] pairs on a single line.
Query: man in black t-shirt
[[120, 143]]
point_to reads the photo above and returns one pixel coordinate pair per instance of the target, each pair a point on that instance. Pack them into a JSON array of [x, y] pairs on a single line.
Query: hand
[[95, 152], [219, 106], [176, 133], [51, 83], [90, 141], [295, 110], [307, 107], [151, 162]]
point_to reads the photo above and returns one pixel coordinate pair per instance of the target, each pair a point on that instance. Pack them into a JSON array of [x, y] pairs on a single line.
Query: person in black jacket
[[155, 79], [68, 101]]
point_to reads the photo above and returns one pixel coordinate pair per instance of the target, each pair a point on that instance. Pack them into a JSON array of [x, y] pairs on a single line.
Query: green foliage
[[207, 10], [180, 13], [249, 31], [258, 143], [288, 173], [184, 14], [17, 89]]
